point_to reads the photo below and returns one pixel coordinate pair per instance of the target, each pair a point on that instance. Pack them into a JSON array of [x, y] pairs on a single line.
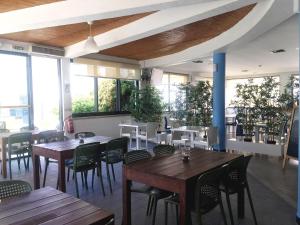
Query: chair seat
[[112, 157]]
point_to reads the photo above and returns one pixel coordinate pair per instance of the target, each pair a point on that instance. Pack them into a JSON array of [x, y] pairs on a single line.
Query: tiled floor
[[273, 191]]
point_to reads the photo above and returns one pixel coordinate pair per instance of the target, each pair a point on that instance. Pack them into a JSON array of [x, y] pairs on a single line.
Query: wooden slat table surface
[[61, 151], [172, 174], [49, 206]]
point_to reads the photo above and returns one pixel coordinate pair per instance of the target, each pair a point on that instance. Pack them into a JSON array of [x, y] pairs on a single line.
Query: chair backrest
[[136, 155], [239, 130], [23, 139], [85, 134], [50, 136], [236, 173], [12, 188], [207, 192], [87, 154], [115, 149], [161, 150], [212, 136]]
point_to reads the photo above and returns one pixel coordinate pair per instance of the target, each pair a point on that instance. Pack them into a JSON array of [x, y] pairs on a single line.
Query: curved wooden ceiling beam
[[159, 22], [77, 11], [262, 18]]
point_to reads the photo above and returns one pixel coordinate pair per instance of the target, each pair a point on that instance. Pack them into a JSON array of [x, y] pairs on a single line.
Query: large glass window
[[14, 106], [100, 89], [46, 92], [169, 87]]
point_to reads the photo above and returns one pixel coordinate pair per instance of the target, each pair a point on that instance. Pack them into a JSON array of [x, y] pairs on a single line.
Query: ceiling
[[9, 5], [62, 36], [255, 57], [178, 39]]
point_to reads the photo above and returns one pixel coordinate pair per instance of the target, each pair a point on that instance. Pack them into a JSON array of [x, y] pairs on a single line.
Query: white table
[[255, 147], [190, 129], [137, 127]]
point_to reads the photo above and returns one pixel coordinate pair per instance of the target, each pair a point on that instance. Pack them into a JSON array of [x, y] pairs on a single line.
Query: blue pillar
[[298, 204], [219, 98]]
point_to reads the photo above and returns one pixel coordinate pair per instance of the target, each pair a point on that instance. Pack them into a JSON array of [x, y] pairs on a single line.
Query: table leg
[[241, 204], [184, 218], [126, 200], [62, 174], [3, 157], [137, 138], [36, 170]]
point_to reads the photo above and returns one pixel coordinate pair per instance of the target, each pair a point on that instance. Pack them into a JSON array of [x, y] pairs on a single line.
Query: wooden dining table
[[60, 151], [172, 174], [52, 207]]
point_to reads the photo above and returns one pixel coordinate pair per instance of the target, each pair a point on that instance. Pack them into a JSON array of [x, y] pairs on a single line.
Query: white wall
[[101, 125]]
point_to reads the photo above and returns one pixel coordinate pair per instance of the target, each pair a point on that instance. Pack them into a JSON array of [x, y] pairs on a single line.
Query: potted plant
[[146, 105]]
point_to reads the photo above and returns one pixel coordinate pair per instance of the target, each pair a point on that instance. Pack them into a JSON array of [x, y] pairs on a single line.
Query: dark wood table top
[[49, 206], [173, 166], [72, 144]]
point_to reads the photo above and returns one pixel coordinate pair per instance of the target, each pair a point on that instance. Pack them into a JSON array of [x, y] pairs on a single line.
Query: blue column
[[219, 98], [298, 204]]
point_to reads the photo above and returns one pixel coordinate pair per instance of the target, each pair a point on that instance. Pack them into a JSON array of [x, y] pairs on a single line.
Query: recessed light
[[245, 71], [259, 65], [276, 51]]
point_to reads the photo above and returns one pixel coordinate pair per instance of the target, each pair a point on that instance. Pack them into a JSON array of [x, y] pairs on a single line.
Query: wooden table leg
[[3, 157], [62, 174], [36, 170], [241, 204], [126, 199], [183, 206]]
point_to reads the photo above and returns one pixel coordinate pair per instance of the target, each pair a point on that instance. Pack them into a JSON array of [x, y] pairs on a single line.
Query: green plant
[[290, 96], [107, 95], [193, 104], [146, 104], [82, 105]]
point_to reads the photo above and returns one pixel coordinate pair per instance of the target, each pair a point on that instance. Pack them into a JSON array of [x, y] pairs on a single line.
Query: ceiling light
[[245, 71], [197, 61], [90, 44], [278, 51]]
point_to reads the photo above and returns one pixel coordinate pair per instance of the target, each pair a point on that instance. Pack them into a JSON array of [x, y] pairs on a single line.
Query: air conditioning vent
[[19, 48], [276, 51], [48, 50]]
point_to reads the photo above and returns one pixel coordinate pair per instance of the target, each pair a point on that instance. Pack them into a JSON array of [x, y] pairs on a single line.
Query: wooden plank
[[98, 218]]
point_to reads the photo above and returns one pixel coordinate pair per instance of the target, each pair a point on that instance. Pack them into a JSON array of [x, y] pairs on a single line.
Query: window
[[46, 92], [14, 101], [169, 87], [101, 87]]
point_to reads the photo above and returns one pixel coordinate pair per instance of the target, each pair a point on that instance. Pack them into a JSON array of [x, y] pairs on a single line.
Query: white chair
[[149, 134], [212, 139], [128, 132], [178, 138]]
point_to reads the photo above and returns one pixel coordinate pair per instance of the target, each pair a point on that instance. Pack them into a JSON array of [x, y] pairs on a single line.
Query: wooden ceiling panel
[[62, 36], [9, 5], [178, 39]]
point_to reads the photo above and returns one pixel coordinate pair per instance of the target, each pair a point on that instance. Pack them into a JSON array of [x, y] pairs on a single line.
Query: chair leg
[[108, 178], [76, 185], [9, 164], [222, 209], [93, 175], [154, 210], [101, 179], [82, 180], [18, 159], [24, 160], [177, 214], [166, 213], [85, 179], [229, 208], [68, 176], [46, 169], [148, 205], [113, 172], [146, 144], [251, 203]]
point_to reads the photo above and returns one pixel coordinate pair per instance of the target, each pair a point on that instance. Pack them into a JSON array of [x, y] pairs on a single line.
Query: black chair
[[207, 196], [19, 144], [153, 193], [235, 181], [84, 134], [114, 153], [47, 137], [163, 150], [88, 157], [12, 188]]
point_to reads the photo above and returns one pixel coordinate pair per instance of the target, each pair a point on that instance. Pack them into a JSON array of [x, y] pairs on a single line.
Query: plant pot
[[248, 139], [271, 142]]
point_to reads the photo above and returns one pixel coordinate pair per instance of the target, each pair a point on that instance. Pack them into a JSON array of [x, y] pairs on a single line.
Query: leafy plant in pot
[[145, 104]]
